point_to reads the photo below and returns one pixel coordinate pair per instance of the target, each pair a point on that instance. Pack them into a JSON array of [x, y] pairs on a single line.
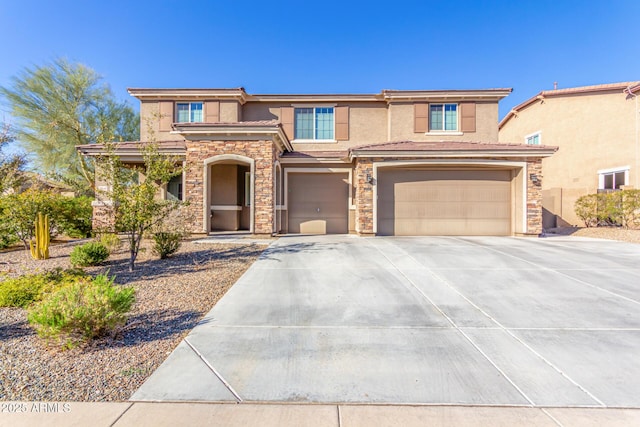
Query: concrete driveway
[[422, 320]]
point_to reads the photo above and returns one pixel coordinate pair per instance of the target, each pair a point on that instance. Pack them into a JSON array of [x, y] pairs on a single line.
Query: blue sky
[[329, 46]]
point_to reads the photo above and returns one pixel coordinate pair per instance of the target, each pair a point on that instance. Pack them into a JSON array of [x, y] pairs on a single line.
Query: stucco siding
[[401, 117], [593, 132]]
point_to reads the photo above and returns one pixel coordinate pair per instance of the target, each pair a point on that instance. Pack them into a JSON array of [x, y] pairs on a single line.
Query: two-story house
[[596, 131], [392, 163]]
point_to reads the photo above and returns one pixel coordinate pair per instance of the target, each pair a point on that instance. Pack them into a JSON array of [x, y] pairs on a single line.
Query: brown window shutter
[[166, 115], [342, 123], [212, 111], [286, 118], [420, 118], [468, 116]]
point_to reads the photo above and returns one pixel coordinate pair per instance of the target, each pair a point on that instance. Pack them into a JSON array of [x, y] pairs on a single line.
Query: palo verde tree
[[60, 105], [130, 197]]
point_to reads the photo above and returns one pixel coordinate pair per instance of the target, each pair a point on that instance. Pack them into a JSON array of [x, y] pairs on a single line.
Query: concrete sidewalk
[[123, 414]]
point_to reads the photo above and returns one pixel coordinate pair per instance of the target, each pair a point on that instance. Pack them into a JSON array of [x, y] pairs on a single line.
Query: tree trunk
[[132, 260]]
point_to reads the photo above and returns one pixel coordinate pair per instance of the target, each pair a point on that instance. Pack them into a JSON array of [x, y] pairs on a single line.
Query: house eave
[[217, 131], [174, 94], [429, 95]]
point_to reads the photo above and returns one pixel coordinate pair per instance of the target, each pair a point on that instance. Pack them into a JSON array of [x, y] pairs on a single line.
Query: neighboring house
[[596, 131], [393, 163]]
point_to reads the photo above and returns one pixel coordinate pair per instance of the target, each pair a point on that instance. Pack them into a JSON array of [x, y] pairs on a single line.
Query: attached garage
[[423, 202], [318, 203]]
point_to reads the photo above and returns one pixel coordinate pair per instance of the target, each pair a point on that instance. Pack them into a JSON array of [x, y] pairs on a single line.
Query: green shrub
[[586, 208], [630, 211], [91, 253], [22, 291], [74, 216], [111, 241], [20, 211], [83, 311], [166, 243]]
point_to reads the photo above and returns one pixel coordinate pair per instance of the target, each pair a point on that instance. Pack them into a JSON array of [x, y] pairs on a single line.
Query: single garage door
[[317, 203], [444, 202]]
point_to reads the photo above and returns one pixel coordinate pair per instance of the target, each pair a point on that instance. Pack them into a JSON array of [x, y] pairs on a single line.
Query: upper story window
[[443, 117], [189, 112], [533, 139], [314, 123], [613, 179]]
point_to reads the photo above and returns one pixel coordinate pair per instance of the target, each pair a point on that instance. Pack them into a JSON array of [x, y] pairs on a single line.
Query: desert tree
[[60, 105], [130, 196]]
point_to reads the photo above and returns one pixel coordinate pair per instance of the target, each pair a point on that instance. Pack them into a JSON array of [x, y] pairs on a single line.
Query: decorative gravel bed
[[611, 233], [172, 295]]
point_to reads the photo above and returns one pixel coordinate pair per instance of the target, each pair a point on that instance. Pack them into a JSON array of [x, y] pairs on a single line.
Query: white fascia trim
[[348, 171], [435, 162]]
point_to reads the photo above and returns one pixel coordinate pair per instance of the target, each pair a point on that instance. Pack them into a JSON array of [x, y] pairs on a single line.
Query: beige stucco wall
[[230, 111], [593, 132], [402, 127], [149, 124], [367, 123]]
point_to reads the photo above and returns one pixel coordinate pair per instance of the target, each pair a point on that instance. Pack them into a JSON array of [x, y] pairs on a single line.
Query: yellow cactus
[[40, 248]]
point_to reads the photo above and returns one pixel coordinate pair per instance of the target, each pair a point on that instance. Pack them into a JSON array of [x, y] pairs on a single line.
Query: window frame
[[613, 171], [444, 131], [314, 107], [180, 189], [532, 135], [189, 103]]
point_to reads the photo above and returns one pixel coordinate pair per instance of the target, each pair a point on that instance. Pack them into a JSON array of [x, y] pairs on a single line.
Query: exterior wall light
[[534, 178], [369, 179]]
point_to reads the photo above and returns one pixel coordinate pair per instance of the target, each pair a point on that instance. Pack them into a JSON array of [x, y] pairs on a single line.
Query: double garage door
[[444, 202], [411, 202]]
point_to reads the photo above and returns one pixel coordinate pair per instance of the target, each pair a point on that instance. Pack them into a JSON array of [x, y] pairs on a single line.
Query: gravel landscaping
[[172, 295], [611, 233]]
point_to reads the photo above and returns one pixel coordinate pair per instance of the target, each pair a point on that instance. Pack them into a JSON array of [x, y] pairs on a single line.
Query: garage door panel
[[318, 203], [444, 202]]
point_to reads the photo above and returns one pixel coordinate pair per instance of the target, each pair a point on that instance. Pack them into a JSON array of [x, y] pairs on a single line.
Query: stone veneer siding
[[262, 152], [364, 193], [534, 197]]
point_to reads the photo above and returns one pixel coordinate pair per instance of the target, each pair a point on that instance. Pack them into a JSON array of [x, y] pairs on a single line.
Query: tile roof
[[592, 88], [163, 146], [633, 86]]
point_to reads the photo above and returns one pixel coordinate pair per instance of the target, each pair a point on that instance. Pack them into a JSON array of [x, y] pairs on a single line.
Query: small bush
[[74, 215], [111, 241], [83, 311], [166, 243], [91, 253], [586, 208], [24, 290]]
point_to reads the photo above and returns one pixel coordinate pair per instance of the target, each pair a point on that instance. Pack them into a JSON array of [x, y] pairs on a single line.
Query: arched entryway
[[228, 199]]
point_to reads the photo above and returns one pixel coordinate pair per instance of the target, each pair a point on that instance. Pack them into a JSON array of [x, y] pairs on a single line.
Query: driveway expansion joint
[[215, 372]]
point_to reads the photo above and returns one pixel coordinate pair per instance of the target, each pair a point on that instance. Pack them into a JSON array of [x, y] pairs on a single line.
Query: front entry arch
[[237, 205]]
